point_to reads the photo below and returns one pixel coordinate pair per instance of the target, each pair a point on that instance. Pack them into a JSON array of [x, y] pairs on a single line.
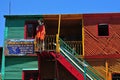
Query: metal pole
[[83, 37], [106, 65], [57, 36], [59, 24], [84, 71]]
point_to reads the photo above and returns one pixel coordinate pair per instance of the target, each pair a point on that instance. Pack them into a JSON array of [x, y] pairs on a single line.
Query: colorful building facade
[[95, 38], [102, 42]]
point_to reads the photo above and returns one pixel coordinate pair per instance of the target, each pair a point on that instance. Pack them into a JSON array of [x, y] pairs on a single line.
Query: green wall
[[15, 64], [14, 29], [15, 25]]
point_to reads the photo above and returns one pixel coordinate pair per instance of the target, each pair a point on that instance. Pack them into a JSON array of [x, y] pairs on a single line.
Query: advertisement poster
[[20, 46]]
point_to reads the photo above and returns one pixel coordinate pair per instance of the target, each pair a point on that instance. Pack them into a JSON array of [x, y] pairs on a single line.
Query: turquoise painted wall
[[16, 25], [12, 65], [15, 64], [15, 28]]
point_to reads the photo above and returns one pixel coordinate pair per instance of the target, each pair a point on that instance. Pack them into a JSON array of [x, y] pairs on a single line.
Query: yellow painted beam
[[63, 17], [107, 73], [83, 54], [57, 36], [59, 25], [110, 76]]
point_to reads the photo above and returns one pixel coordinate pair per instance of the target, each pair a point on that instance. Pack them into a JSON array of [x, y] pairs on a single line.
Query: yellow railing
[[76, 45], [51, 39], [49, 42]]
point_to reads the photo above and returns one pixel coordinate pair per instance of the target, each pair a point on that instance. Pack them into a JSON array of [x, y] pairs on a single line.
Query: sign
[[21, 46]]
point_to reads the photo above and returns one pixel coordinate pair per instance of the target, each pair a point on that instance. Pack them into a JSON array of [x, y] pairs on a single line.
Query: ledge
[[104, 56]]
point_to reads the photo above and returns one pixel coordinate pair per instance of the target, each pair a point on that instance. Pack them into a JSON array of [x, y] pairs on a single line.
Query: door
[[116, 76], [30, 75]]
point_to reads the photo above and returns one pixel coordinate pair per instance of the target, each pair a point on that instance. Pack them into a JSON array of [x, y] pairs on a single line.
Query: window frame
[[107, 29], [26, 27], [24, 73], [113, 74]]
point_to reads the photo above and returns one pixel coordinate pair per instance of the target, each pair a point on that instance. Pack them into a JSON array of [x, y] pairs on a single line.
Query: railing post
[[84, 71]]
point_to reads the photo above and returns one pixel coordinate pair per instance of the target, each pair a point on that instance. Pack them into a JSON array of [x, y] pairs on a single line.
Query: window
[[103, 30], [30, 30], [30, 75], [116, 76]]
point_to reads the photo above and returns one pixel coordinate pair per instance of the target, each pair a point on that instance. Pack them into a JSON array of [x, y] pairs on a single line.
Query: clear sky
[[28, 7]]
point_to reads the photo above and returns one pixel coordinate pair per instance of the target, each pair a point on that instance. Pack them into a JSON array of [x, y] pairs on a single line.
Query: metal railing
[[74, 48], [88, 70], [76, 45], [50, 39]]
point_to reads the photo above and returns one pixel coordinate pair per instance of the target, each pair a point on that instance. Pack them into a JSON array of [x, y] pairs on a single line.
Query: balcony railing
[[51, 39]]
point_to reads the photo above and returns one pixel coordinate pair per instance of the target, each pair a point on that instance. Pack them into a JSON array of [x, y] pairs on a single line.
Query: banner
[[21, 46]]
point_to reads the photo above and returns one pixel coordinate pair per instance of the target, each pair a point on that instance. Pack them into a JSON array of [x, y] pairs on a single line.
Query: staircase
[[80, 64], [54, 66]]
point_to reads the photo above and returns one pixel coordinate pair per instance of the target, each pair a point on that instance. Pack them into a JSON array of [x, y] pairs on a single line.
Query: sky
[[39, 7]]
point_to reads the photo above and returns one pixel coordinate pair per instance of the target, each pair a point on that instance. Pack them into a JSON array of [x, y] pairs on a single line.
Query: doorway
[[30, 75]]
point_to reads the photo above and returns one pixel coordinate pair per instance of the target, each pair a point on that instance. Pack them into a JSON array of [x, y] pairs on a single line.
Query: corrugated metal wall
[[15, 28], [97, 45], [16, 25], [15, 32], [15, 64], [94, 45]]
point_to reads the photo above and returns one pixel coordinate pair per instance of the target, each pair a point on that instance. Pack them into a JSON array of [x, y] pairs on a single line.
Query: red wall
[[105, 45], [50, 68]]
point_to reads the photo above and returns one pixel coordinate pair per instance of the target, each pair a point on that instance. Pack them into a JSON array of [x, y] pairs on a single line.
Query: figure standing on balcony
[[40, 35]]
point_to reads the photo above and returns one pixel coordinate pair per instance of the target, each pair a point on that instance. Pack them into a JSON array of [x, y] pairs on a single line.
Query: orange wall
[[97, 45]]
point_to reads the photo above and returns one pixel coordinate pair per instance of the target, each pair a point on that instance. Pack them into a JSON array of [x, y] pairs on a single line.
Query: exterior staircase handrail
[[89, 68]]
